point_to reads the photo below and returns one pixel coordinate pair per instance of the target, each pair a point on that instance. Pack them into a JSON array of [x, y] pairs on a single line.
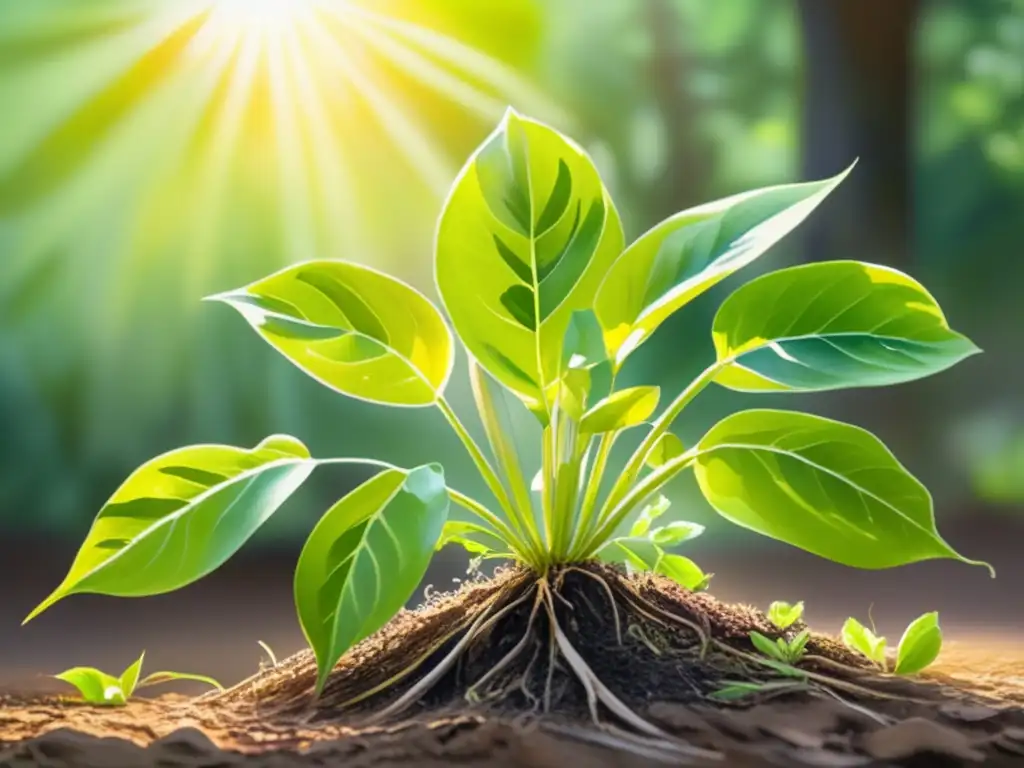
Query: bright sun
[[261, 14]]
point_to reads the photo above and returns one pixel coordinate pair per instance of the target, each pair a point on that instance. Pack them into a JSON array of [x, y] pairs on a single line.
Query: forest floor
[[968, 709]]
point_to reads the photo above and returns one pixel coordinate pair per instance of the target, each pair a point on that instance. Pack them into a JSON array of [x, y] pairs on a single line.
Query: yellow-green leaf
[[353, 329], [826, 487], [667, 447], [525, 238], [784, 615], [96, 687], [366, 557], [181, 515], [690, 252], [832, 325], [920, 645], [859, 638], [622, 409]]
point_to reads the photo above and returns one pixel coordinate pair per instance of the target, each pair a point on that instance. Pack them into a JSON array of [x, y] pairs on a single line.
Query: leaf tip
[[47, 603]]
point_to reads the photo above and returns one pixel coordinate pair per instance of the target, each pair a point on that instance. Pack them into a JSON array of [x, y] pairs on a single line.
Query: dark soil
[[661, 651]]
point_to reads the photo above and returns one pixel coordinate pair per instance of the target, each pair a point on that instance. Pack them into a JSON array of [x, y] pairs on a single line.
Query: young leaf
[[920, 645], [676, 533], [768, 647], [823, 486], [832, 325], [648, 515], [683, 571], [365, 559], [690, 252], [472, 537], [644, 555], [667, 447], [859, 638], [625, 408], [158, 678], [353, 329], [783, 615], [180, 516], [525, 238], [130, 677], [738, 691], [95, 686], [798, 644]]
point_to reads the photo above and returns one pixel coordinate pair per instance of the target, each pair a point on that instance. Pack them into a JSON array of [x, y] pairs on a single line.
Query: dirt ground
[[969, 710]]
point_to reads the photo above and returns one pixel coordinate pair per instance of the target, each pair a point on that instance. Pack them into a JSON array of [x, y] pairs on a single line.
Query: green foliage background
[[123, 200]]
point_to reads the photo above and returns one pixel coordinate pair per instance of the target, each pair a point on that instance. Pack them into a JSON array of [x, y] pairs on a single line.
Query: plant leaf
[[158, 678], [666, 448], [622, 409], [130, 677], [784, 615], [644, 555], [472, 537], [768, 647], [920, 644], [688, 253], [179, 516], [648, 515], [676, 533], [798, 644], [366, 557], [95, 686], [525, 238], [832, 325], [353, 329], [859, 638], [826, 487], [584, 341]]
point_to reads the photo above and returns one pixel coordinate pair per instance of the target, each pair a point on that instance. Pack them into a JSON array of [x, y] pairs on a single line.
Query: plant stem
[[489, 475], [650, 484], [636, 461], [496, 522], [583, 528]]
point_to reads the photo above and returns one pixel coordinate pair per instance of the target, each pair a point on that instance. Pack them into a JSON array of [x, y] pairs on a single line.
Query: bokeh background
[[156, 151]]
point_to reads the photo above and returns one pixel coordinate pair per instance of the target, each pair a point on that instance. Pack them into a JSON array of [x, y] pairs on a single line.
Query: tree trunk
[[858, 104]]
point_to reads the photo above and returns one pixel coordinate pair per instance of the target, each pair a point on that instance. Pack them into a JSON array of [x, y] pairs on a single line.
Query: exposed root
[[610, 642]]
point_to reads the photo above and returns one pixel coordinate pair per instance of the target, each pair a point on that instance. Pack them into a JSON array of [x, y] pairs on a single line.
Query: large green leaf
[[827, 487], [353, 329], [181, 515], [690, 252], [831, 325], [524, 240], [366, 557]]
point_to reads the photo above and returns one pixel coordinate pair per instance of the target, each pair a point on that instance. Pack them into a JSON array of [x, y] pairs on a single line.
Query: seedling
[[918, 648], [783, 615], [782, 650], [532, 267], [102, 689]]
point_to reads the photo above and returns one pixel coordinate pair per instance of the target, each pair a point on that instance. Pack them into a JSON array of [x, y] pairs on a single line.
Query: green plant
[[783, 615], [918, 648], [782, 650], [532, 267], [102, 689]]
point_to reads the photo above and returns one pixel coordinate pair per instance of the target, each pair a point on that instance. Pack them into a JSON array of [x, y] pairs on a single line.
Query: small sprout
[[781, 650], [920, 645], [783, 615], [862, 640], [736, 691], [101, 689], [270, 654], [648, 515]]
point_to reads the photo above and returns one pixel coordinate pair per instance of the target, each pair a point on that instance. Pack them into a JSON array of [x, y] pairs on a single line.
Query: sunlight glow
[[263, 15]]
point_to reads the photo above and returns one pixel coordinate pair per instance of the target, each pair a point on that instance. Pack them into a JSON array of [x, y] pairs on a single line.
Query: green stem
[[649, 485], [586, 522], [496, 522], [636, 461], [490, 476]]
